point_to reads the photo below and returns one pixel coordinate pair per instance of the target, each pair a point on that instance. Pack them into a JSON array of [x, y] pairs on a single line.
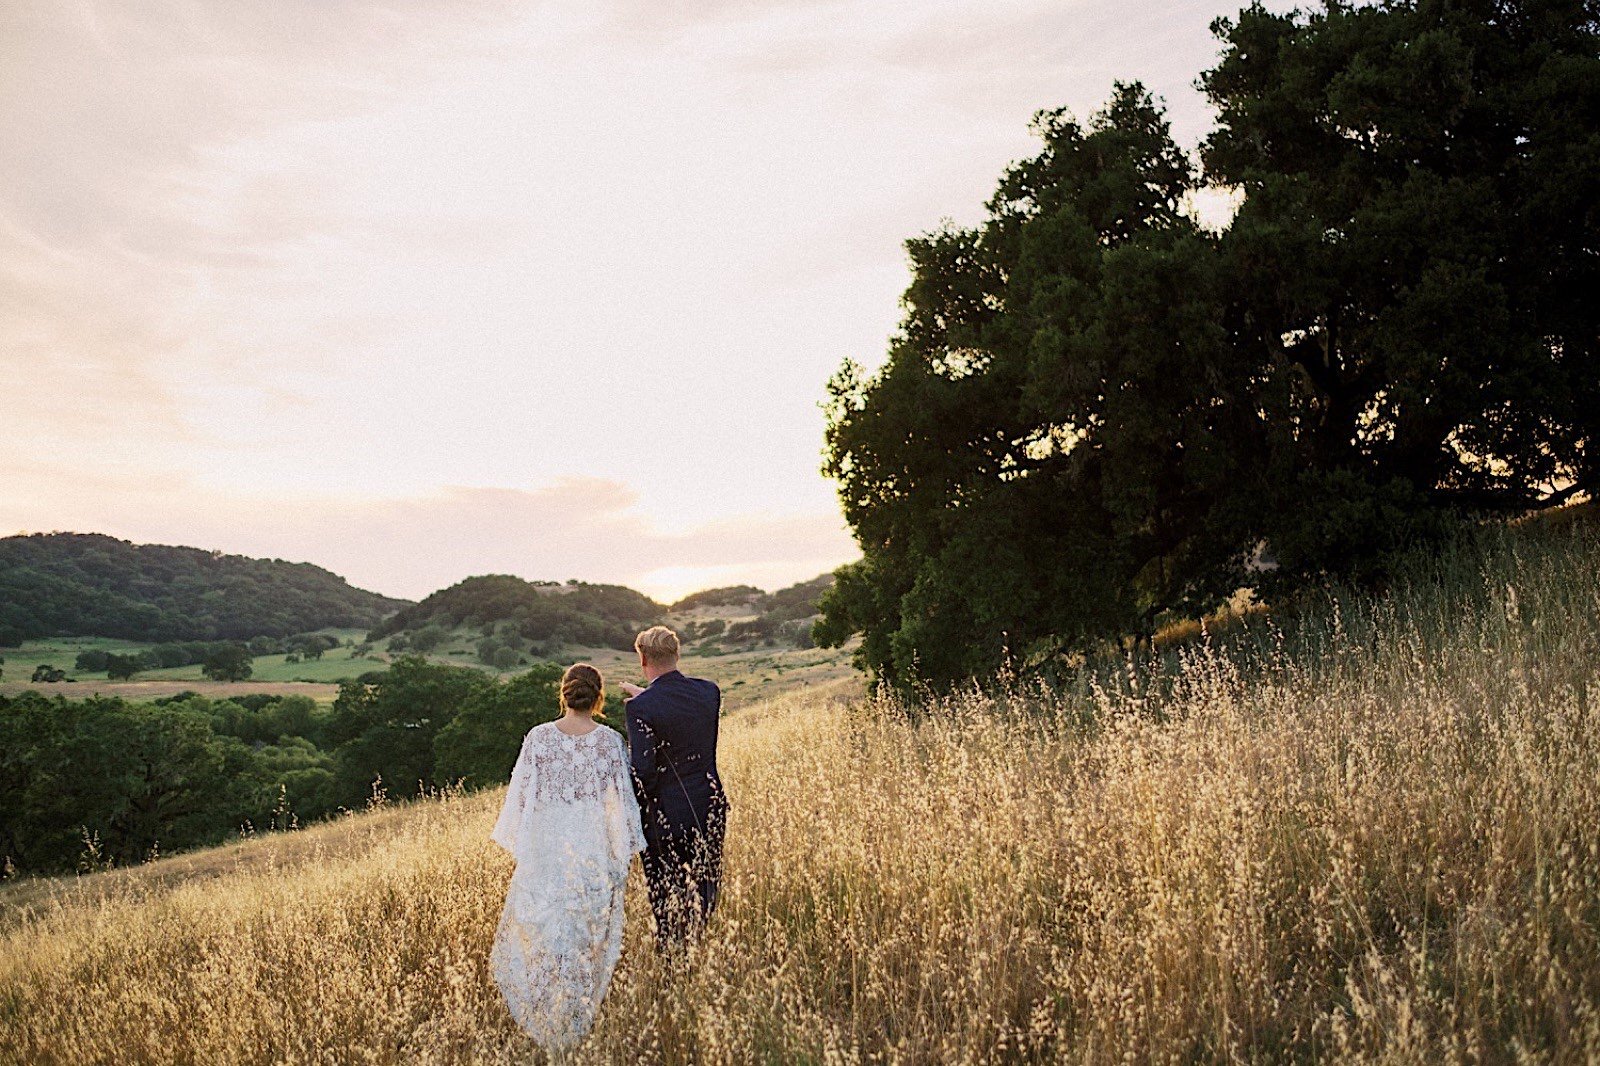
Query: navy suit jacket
[[672, 739]]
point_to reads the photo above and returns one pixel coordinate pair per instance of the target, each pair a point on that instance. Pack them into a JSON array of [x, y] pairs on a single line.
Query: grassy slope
[[1376, 837]]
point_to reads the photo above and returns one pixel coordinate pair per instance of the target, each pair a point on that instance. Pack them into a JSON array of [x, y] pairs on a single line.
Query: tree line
[[91, 585], [1099, 414], [106, 780], [219, 660]]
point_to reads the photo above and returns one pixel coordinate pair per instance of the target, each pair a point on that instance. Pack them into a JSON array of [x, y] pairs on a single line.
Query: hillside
[[753, 641], [89, 585], [1370, 835], [526, 615], [787, 604], [509, 621], [744, 618], [722, 596]]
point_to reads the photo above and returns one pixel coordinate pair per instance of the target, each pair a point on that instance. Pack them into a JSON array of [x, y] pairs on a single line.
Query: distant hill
[[515, 617], [746, 616], [727, 596], [797, 601], [86, 584], [543, 614]]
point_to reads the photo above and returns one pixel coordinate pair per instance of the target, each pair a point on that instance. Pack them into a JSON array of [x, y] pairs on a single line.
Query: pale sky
[[416, 291]]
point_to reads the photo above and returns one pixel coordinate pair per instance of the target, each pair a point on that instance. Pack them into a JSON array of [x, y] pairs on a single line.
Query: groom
[[672, 735]]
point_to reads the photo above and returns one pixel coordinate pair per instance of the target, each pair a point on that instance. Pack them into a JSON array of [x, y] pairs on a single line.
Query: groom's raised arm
[[642, 753]]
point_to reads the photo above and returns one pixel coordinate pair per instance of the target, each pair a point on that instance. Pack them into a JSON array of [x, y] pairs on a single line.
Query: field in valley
[[317, 678], [746, 674], [1371, 835]]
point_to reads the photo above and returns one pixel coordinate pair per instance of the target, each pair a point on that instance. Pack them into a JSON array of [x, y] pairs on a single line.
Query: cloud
[[116, 230], [275, 276]]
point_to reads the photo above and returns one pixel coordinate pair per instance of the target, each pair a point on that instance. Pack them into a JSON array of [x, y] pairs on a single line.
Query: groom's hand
[[630, 691]]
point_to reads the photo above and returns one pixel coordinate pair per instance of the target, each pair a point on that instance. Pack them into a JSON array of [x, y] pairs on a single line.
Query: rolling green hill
[[528, 615], [509, 620], [723, 596], [741, 616], [78, 585], [787, 604], [84, 584]]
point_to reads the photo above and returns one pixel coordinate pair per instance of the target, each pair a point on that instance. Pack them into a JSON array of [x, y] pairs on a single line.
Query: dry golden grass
[[1375, 839]]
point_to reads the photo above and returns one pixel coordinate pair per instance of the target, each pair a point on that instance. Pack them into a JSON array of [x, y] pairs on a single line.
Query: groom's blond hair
[[658, 645]]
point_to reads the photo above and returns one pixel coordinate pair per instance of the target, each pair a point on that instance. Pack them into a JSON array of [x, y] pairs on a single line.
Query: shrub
[[229, 662], [92, 661]]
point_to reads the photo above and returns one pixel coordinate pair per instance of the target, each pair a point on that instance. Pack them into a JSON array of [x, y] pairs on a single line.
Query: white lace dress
[[572, 823]]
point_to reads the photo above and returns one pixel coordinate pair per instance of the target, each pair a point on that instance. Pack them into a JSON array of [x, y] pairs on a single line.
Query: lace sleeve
[[522, 784], [623, 826]]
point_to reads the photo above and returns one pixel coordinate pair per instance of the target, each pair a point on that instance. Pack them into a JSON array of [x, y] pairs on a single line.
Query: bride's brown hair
[[583, 689]]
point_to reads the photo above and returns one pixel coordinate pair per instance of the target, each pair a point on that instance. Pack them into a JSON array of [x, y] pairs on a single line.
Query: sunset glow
[[425, 290]]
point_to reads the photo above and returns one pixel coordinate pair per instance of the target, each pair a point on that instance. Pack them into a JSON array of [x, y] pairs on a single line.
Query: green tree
[[164, 656], [140, 777], [1413, 268], [428, 638], [480, 745], [387, 727], [228, 662], [304, 774], [122, 667], [1039, 456], [294, 716], [1096, 413], [263, 719], [309, 646], [56, 776], [92, 661], [180, 784]]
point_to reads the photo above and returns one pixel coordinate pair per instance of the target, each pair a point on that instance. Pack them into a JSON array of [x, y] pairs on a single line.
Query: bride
[[572, 823]]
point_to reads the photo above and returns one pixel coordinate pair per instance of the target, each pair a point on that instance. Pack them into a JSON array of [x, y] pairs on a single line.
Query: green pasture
[[61, 652], [745, 675]]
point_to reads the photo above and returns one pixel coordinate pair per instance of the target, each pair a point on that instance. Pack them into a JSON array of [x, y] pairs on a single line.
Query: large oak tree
[[1096, 412]]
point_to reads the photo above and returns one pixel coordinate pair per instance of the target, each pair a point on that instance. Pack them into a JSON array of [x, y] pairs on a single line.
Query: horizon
[[312, 562], [435, 289]]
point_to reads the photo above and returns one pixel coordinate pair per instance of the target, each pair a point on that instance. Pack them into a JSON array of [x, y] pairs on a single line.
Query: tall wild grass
[[1371, 835]]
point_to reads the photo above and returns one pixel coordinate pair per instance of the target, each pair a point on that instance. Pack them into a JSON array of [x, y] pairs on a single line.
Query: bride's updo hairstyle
[[583, 690]]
